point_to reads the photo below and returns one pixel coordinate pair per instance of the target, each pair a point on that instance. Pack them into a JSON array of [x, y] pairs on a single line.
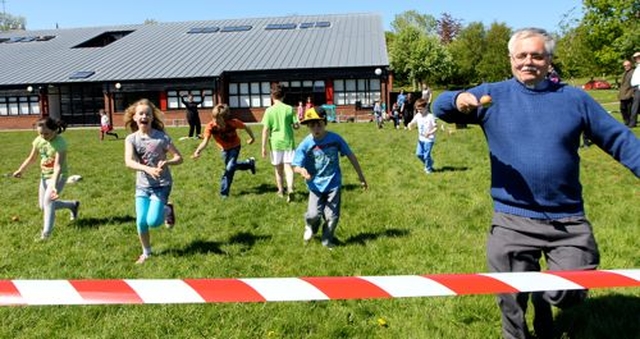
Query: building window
[[103, 39], [348, 91], [302, 90], [23, 105], [174, 102], [81, 74], [249, 94]]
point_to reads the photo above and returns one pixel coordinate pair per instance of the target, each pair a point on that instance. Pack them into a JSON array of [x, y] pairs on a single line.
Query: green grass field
[[407, 223]]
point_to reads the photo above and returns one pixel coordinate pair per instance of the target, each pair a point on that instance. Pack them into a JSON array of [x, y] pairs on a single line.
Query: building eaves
[[168, 51]]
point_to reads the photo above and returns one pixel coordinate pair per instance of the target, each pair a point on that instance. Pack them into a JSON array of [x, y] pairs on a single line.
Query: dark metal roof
[[169, 50]]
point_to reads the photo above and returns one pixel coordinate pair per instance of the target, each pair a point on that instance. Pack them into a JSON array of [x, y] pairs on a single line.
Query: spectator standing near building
[[378, 114], [401, 98], [300, 110], [635, 83], [395, 115], [625, 92], [193, 117], [536, 190], [427, 95], [309, 103], [407, 110]]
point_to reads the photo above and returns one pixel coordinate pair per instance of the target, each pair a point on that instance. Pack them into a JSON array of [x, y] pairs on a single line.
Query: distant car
[[596, 84]]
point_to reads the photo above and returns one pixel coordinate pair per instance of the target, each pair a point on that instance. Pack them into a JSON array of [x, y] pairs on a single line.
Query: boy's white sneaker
[[308, 233]]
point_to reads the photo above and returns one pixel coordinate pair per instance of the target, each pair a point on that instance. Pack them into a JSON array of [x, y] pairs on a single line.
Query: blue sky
[[45, 14]]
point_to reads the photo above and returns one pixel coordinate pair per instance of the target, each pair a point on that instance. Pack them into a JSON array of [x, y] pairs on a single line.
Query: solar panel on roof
[[211, 29], [236, 28], [195, 30], [280, 26], [323, 24], [45, 37], [27, 38], [307, 24], [81, 74]]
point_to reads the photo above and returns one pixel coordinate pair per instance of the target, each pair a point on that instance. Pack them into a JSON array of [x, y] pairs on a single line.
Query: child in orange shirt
[[223, 129]]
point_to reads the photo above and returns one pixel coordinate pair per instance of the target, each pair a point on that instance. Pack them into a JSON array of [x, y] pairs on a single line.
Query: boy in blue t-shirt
[[317, 160]]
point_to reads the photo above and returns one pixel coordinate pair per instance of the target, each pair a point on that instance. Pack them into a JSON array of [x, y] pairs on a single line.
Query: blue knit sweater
[[533, 137]]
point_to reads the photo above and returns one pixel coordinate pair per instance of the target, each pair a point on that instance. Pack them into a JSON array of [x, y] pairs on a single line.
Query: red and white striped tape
[[173, 291]]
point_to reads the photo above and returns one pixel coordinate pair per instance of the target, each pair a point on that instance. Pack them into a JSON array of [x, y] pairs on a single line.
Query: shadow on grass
[[452, 169], [270, 189], [613, 316], [300, 193], [351, 187], [260, 189], [247, 240], [99, 222], [197, 247], [363, 238]]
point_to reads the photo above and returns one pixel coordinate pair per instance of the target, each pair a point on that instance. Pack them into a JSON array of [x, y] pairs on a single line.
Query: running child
[[52, 149], [279, 123], [317, 161], [105, 125], [427, 128], [145, 151], [223, 129]]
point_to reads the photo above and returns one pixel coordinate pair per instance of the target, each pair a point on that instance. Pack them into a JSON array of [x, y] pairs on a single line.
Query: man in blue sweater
[[533, 129]]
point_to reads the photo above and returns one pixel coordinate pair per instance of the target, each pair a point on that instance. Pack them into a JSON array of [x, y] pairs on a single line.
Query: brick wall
[[18, 122]]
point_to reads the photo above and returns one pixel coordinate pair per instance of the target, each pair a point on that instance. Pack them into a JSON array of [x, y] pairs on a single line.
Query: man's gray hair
[[549, 41]]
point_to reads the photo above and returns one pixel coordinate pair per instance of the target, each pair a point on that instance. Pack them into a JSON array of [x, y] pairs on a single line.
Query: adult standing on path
[[533, 129]]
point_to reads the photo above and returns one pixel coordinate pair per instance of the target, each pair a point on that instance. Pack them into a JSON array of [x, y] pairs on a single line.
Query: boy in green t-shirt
[[278, 122]]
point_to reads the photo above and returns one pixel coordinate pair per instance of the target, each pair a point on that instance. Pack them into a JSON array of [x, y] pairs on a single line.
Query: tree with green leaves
[[494, 65], [467, 51], [417, 55], [9, 22], [613, 31], [574, 55], [606, 34], [424, 23]]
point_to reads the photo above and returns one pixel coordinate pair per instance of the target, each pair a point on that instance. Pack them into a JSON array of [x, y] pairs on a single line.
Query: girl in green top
[[52, 149]]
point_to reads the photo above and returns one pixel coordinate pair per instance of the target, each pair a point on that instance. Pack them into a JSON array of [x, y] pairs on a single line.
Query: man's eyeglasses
[[534, 56]]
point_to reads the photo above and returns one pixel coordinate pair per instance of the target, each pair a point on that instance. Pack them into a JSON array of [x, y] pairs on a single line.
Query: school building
[[70, 74]]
